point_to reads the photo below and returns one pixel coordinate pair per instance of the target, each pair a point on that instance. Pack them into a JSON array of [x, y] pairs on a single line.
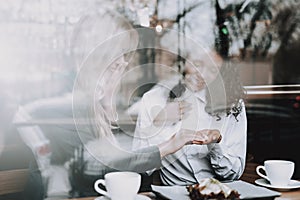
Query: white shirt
[[225, 160]]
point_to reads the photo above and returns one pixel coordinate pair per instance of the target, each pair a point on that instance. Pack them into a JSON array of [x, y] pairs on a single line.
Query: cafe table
[[248, 176], [285, 195]]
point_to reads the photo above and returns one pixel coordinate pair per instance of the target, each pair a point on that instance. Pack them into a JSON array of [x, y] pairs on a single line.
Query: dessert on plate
[[211, 188]]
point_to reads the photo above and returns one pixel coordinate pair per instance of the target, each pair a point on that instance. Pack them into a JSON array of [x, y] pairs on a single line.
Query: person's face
[[202, 71], [109, 85], [118, 67], [112, 77]]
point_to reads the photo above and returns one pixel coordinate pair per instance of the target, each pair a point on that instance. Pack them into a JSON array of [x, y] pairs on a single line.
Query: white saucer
[[138, 197], [292, 185]]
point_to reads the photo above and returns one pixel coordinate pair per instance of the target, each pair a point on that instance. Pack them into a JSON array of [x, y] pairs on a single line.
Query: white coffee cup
[[119, 185], [279, 172]]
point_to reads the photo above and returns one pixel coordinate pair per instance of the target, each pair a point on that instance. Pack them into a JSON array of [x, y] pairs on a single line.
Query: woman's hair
[[102, 126], [111, 36], [225, 93], [93, 29]]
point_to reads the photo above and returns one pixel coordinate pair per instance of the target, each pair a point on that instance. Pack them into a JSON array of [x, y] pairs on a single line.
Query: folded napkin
[[246, 190]]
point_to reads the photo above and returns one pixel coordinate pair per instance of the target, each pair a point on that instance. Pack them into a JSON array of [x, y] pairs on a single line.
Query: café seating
[[12, 183], [249, 175], [12, 179]]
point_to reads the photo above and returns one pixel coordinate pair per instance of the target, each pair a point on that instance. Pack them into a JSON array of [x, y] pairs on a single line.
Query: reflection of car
[[273, 113]]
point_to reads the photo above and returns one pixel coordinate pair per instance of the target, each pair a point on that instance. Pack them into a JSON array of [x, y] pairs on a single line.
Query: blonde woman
[[93, 94]]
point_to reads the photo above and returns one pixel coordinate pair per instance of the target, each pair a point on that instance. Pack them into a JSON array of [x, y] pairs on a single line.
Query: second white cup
[[278, 172], [119, 185]]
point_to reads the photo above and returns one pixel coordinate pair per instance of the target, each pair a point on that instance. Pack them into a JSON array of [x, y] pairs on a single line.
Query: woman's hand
[[208, 136], [185, 136], [172, 113]]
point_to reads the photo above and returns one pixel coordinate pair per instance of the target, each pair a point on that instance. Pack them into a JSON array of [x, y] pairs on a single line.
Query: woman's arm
[[228, 157], [185, 136], [110, 157]]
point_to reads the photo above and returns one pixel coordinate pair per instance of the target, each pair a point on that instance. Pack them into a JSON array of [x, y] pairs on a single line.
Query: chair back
[[13, 181]]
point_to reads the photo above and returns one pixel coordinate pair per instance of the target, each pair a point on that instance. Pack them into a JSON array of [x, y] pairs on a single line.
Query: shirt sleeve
[[152, 103], [228, 157], [139, 161]]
